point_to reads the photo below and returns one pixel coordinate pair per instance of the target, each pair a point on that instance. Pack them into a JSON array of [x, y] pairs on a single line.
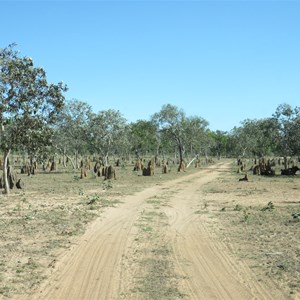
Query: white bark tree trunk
[[5, 167]]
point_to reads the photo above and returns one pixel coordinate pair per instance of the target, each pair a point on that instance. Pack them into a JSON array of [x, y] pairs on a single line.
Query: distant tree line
[[170, 131], [36, 121], [278, 135]]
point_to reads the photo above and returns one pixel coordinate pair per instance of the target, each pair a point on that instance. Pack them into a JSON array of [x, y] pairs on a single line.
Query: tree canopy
[[29, 105]]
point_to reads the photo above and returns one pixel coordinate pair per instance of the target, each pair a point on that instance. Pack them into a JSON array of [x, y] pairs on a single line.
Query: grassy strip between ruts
[[155, 277]]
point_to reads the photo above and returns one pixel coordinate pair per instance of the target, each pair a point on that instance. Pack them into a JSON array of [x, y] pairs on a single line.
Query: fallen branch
[[191, 161]]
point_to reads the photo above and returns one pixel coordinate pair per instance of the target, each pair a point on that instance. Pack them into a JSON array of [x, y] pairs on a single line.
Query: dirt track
[[103, 264]]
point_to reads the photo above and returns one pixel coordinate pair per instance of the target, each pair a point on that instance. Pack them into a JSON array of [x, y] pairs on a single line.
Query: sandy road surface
[[95, 267]]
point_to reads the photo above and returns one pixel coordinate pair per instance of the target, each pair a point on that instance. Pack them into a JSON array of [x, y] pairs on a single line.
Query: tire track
[[98, 266], [209, 270], [93, 268]]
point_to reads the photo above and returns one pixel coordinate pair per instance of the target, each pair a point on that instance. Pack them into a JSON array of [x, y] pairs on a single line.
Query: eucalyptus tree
[[196, 129], [171, 122], [71, 130], [106, 132], [220, 138], [177, 127], [122, 146], [255, 138], [241, 142], [266, 137], [295, 133], [29, 105], [144, 138], [288, 126]]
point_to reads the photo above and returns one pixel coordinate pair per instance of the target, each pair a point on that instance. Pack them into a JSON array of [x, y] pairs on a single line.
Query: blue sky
[[225, 61]]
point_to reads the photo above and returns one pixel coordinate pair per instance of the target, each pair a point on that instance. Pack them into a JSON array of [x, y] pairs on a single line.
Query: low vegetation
[[259, 220], [41, 221]]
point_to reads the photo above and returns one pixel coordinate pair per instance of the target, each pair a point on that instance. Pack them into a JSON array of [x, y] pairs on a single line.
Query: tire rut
[[102, 264]]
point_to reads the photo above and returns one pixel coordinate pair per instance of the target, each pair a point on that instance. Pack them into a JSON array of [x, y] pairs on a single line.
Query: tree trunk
[[180, 153], [285, 162], [76, 159], [244, 152], [181, 163], [72, 162], [64, 158], [206, 158], [106, 160], [5, 167]]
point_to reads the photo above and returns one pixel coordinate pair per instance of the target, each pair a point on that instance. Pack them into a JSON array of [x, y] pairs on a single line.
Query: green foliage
[[143, 137], [184, 132], [106, 132], [93, 199], [270, 206], [220, 142], [296, 216], [246, 216], [238, 208], [279, 134], [29, 106], [28, 103], [72, 126], [95, 202], [76, 178], [32, 110], [107, 185], [288, 126], [255, 137]]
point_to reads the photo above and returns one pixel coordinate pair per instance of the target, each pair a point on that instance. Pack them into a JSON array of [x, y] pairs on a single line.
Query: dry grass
[[39, 223], [257, 219], [156, 277], [260, 222]]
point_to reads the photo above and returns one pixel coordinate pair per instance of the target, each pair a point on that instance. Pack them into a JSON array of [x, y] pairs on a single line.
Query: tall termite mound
[[181, 167], [149, 171], [110, 173]]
